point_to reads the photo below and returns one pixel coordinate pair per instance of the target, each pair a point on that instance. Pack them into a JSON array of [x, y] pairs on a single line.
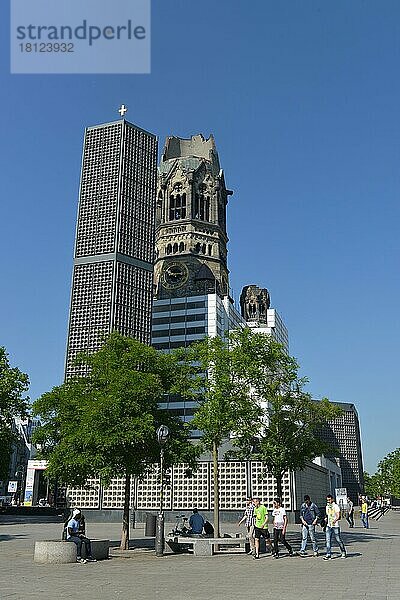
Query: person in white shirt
[[280, 525], [333, 527]]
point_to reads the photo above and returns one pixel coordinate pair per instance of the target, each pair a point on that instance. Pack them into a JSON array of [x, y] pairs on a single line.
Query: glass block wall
[[237, 480]]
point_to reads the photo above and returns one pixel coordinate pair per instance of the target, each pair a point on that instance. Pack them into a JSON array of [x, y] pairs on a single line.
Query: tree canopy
[[386, 480], [253, 394], [224, 401], [13, 403], [104, 424], [285, 434]]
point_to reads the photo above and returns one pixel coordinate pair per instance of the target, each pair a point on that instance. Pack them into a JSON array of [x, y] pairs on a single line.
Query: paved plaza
[[371, 571]]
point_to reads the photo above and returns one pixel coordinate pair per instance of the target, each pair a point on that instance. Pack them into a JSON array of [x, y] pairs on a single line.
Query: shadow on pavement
[[7, 537], [24, 520], [135, 543]]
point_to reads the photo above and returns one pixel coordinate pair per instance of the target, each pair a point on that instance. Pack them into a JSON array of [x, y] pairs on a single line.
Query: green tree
[[375, 485], [104, 424], [224, 402], [13, 385], [389, 471], [284, 435]]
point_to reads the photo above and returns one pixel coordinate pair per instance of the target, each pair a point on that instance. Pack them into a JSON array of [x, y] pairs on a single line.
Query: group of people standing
[[255, 519]]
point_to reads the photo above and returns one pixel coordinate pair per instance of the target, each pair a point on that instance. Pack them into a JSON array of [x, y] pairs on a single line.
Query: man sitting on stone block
[[196, 523], [73, 535]]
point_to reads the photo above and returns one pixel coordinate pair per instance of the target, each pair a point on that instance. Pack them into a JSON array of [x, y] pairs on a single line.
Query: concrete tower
[[114, 247]]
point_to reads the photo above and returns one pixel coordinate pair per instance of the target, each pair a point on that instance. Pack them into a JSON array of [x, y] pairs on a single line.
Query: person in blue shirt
[[74, 535], [196, 522], [309, 514]]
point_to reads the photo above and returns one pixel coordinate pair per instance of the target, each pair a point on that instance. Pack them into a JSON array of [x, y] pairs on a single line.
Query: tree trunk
[[125, 519], [278, 478], [216, 489]]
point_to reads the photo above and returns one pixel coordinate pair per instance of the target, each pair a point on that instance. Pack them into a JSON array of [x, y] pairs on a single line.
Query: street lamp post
[[162, 437]]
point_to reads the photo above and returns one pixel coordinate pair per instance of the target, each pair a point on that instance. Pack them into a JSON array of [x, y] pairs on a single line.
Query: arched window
[[197, 247], [196, 213], [202, 214], [183, 209], [175, 248], [209, 250], [169, 249], [172, 208], [201, 207], [181, 247], [177, 207], [203, 249], [159, 207]]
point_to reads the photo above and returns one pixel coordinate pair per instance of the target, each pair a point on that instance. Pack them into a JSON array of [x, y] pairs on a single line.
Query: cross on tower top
[[123, 109]]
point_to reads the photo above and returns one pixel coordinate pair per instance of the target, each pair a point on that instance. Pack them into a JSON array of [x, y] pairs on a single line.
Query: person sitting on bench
[[74, 535], [196, 522]]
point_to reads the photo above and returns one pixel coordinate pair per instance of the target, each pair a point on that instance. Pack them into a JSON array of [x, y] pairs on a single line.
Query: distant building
[[255, 308], [112, 280], [344, 434], [178, 322], [22, 450]]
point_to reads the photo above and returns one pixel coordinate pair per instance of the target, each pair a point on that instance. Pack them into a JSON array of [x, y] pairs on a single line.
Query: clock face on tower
[[174, 275]]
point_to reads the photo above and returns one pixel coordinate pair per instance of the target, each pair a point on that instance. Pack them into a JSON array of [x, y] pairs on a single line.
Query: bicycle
[[181, 526]]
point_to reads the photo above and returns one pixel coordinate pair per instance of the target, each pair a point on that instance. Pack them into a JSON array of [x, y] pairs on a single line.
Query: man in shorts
[[260, 526]]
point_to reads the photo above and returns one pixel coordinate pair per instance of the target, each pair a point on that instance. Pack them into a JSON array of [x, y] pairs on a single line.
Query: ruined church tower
[[191, 237]]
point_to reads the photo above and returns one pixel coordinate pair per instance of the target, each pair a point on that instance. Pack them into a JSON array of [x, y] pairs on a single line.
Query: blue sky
[[303, 100]]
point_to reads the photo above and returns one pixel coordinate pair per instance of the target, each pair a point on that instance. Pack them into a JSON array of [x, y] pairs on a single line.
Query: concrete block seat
[[204, 546], [61, 552]]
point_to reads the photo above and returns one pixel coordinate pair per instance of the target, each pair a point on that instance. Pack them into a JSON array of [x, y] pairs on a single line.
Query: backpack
[[208, 528]]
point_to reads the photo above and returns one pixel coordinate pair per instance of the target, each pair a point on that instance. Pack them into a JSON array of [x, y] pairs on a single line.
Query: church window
[[207, 208], [201, 207], [171, 207], [177, 207], [196, 207], [159, 208]]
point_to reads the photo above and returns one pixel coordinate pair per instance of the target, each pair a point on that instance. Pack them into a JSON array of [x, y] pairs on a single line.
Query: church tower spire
[[191, 237]]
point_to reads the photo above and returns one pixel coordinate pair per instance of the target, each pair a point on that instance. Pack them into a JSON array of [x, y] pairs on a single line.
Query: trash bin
[[150, 526]]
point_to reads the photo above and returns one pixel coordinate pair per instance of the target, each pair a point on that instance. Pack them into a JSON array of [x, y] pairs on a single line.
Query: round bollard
[[58, 553]]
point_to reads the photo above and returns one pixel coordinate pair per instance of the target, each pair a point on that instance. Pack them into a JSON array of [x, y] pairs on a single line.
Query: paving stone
[[369, 573]]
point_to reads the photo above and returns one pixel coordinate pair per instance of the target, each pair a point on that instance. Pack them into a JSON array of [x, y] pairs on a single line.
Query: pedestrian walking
[[260, 526], [249, 520], [364, 513], [350, 513], [333, 527], [280, 525], [309, 514]]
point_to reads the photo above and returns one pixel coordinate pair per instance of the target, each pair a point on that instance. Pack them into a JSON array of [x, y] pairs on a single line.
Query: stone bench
[[203, 546], [61, 552]]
